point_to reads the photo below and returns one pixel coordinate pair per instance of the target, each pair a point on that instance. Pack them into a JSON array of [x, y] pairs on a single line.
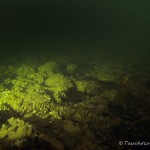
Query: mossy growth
[[59, 85], [26, 92], [87, 86], [49, 68], [6, 72], [25, 71], [71, 68], [107, 72], [15, 129]]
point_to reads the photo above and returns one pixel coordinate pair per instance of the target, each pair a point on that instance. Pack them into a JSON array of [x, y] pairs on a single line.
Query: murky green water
[[74, 75]]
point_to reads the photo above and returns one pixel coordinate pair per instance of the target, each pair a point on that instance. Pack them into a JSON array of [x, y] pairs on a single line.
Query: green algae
[[72, 102], [58, 84]]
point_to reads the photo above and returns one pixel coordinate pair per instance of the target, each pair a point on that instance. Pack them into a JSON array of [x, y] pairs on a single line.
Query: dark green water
[[110, 27]]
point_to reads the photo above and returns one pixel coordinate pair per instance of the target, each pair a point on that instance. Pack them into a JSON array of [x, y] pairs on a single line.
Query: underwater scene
[[74, 75]]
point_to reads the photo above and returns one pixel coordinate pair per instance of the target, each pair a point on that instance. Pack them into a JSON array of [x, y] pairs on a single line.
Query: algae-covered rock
[[54, 142], [26, 93], [58, 84], [3, 133], [110, 94], [25, 71], [16, 129], [109, 71], [71, 128], [34, 101], [21, 132], [87, 87], [6, 72], [54, 114], [71, 68], [49, 68]]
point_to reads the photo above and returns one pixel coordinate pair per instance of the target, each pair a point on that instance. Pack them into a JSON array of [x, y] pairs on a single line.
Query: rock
[[53, 142], [71, 128], [3, 133], [16, 129]]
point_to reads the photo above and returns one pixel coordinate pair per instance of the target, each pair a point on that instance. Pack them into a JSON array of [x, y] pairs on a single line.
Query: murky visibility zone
[[74, 75]]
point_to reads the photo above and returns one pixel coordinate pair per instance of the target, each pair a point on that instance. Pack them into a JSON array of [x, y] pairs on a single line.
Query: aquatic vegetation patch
[[49, 68], [88, 87], [108, 72], [71, 107], [58, 84], [14, 129]]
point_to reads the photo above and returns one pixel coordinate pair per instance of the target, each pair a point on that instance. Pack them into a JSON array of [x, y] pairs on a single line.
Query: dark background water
[[39, 27]]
